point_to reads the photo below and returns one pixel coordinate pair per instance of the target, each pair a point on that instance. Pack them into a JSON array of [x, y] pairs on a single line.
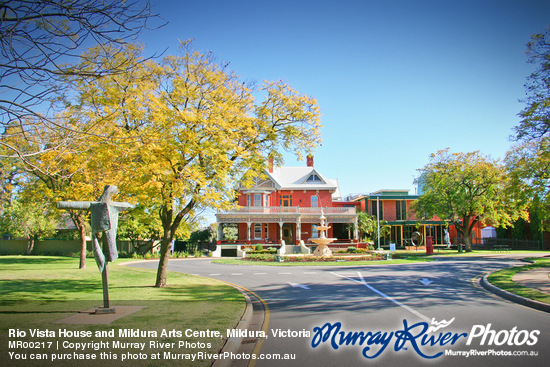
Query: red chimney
[[270, 165], [310, 160]]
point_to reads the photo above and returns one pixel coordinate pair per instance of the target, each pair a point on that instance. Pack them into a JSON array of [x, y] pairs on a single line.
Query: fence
[[53, 247], [489, 243]]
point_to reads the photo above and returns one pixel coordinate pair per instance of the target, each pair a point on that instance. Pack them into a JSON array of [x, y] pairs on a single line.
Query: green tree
[[10, 177], [535, 117], [140, 225], [368, 227], [528, 161], [187, 129], [230, 233], [464, 189], [528, 165], [202, 235], [30, 217]]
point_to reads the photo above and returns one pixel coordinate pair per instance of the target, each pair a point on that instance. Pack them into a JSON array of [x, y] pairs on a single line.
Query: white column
[[281, 230], [356, 229], [248, 224]]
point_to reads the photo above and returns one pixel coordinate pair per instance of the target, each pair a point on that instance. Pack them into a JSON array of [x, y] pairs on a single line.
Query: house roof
[[386, 194], [302, 178], [393, 192]]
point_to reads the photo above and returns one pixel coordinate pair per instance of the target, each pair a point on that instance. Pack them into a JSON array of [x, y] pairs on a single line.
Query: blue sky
[[395, 80]]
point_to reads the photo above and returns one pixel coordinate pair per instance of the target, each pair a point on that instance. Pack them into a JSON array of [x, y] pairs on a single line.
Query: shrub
[[259, 247], [249, 252], [180, 254], [261, 257], [352, 250]]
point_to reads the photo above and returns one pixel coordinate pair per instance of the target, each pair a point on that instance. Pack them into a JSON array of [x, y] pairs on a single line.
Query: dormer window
[[314, 179]]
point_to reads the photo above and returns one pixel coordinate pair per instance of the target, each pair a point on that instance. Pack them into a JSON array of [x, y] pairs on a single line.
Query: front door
[[288, 234]]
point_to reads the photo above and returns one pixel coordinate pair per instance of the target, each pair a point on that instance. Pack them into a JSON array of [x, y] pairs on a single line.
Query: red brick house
[[285, 205]]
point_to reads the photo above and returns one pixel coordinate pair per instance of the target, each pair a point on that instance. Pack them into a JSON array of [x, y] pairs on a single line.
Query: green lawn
[[503, 280], [37, 291]]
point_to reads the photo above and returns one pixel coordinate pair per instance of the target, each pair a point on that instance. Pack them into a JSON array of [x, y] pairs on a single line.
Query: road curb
[[235, 344], [513, 297]]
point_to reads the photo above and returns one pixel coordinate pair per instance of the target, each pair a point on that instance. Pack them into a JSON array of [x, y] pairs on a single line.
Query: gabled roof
[[296, 178]]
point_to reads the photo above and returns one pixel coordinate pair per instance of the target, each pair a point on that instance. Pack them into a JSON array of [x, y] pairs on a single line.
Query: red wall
[[299, 198]]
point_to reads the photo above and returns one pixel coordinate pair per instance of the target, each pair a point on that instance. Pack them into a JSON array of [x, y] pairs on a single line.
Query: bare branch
[[41, 41]]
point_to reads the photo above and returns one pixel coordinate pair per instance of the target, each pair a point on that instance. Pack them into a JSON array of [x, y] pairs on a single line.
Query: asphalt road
[[395, 303]]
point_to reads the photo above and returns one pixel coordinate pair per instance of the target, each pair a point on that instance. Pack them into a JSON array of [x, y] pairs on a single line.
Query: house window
[[401, 210], [265, 200], [374, 211], [314, 201], [285, 200], [257, 199], [257, 231]]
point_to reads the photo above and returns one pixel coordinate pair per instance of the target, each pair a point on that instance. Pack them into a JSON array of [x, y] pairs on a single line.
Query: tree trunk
[[83, 250], [80, 224], [170, 229], [164, 257], [467, 233], [468, 241], [30, 245]]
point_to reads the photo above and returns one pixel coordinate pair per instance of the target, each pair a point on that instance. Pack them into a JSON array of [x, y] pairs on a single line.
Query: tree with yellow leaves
[[66, 170], [187, 129]]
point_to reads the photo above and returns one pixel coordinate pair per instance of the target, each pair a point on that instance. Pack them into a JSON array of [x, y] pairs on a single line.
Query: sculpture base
[[322, 250], [103, 310]]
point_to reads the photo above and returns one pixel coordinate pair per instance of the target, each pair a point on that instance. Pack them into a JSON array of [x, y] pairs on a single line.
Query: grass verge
[[36, 292], [503, 280]]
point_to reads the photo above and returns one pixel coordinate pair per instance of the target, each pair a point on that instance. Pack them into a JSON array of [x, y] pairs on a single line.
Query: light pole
[[378, 219]]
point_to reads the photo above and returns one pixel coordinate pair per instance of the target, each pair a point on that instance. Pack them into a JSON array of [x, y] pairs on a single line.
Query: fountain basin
[[323, 249]]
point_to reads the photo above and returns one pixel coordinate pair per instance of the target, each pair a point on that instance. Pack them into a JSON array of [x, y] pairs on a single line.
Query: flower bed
[[312, 258]]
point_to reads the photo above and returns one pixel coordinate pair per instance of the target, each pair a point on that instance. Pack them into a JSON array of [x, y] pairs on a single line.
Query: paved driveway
[[386, 300]]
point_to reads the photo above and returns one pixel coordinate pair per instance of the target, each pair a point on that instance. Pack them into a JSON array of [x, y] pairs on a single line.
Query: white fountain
[[323, 241]]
